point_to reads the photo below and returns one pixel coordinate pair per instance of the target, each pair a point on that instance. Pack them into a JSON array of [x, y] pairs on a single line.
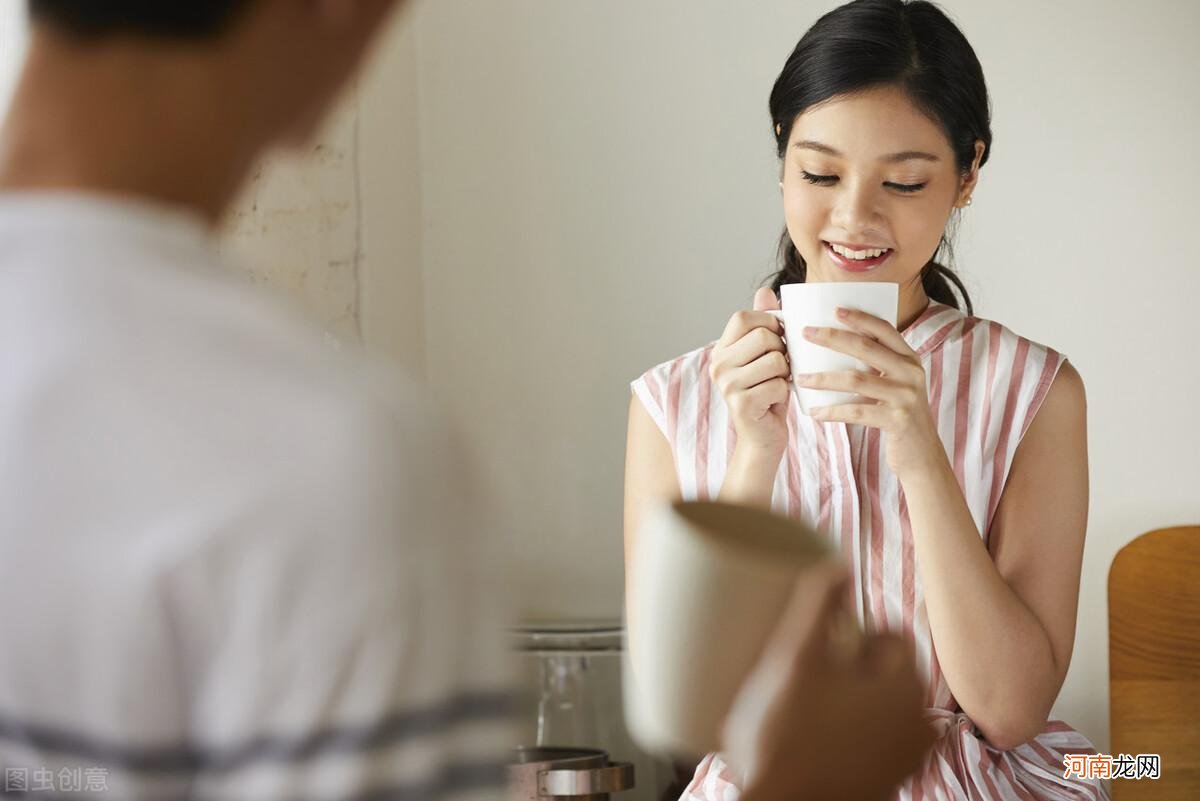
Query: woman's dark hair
[[872, 43], [175, 19]]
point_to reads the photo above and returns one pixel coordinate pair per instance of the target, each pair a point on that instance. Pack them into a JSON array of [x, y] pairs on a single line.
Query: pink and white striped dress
[[985, 385]]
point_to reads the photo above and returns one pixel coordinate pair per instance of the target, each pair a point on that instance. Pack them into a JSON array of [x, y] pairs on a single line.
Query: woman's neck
[[913, 303]]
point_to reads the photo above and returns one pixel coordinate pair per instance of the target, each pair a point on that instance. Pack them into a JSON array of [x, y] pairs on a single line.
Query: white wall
[[597, 194], [391, 285], [297, 225], [576, 175], [13, 34], [309, 223]]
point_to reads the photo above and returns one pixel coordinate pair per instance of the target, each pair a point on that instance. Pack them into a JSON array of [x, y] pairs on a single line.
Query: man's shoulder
[[325, 405], [185, 377]]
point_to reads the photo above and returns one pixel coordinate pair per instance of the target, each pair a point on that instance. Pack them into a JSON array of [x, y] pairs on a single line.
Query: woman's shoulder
[[1004, 369], [945, 327], [665, 386], [1001, 339], [684, 368]]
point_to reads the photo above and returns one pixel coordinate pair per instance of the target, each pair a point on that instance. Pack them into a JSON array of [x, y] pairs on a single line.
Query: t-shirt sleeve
[[1020, 392], [346, 635], [651, 388], [1046, 364]]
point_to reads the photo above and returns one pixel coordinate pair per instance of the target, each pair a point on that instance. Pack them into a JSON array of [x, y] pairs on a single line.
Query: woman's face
[[870, 171]]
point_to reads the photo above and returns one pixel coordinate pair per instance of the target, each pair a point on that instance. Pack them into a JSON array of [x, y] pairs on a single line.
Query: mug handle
[[778, 315]]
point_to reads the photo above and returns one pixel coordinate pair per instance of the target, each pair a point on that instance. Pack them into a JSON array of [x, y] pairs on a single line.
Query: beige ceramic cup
[[708, 583]]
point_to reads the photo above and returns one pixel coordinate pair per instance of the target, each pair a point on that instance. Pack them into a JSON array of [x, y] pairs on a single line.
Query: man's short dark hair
[[178, 19]]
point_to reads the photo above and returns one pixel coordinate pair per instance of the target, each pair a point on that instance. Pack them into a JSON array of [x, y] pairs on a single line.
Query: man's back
[[230, 556]]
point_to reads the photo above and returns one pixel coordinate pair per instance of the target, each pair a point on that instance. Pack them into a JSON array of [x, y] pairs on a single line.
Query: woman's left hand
[[895, 399]]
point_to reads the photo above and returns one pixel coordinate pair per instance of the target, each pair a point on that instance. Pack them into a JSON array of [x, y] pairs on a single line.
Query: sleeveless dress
[[985, 384]]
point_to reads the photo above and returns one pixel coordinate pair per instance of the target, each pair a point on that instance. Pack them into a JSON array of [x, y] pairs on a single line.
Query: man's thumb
[[765, 299], [804, 629]]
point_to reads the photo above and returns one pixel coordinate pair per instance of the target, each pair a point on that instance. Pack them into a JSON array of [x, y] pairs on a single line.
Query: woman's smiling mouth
[[856, 260]]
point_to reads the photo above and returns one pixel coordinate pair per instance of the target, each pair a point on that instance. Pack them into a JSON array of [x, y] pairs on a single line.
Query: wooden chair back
[[1154, 661]]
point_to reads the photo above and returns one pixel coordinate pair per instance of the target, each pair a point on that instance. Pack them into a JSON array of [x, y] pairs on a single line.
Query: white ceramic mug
[[816, 305], [708, 583]]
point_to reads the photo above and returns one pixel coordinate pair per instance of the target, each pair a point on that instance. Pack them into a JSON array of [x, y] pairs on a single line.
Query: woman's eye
[[825, 180], [817, 179], [906, 187]]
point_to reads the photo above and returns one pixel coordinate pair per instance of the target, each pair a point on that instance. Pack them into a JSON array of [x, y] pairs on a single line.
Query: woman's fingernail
[[842, 313], [810, 331]]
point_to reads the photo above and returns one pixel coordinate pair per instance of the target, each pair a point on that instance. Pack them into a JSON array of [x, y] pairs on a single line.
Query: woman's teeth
[[857, 254]]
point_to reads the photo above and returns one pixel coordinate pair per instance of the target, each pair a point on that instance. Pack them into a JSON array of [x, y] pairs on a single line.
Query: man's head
[[281, 62], [183, 20]]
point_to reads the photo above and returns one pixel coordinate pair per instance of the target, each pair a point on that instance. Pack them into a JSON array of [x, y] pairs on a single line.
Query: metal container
[[578, 773], [573, 675]]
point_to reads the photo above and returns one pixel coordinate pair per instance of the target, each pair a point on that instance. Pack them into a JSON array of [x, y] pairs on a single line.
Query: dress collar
[[931, 327]]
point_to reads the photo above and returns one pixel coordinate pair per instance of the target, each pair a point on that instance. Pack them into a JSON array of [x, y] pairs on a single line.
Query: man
[[234, 564]]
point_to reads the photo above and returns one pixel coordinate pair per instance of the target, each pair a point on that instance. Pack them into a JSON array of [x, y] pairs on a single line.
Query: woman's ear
[[980, 147], [972, 177]]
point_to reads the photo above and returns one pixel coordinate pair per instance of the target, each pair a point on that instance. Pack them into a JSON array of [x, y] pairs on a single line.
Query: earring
[[781, 186], [778, 128], [969, 201]]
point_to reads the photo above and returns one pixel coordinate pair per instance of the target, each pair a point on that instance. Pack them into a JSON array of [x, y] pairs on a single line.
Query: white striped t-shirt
[[234, 562]]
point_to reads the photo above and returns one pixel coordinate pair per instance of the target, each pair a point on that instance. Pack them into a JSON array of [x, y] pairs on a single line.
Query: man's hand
[[819, 720]]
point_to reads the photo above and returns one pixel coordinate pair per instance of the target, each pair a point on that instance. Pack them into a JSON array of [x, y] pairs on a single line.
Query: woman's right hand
[[750, 368]]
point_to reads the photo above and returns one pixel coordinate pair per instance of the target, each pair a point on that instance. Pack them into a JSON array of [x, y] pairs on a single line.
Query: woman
[[957, 487]]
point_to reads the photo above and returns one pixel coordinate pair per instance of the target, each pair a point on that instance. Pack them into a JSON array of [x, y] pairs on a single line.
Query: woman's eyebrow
[[904, 155]]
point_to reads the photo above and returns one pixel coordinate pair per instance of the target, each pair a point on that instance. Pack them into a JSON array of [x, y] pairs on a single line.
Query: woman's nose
[[855, 209]]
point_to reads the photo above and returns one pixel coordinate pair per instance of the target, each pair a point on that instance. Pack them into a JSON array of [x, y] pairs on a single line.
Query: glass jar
[[573, 675]]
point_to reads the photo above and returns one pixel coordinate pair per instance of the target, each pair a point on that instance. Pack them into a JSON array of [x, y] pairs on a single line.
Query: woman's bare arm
[[1004, 627], [649, 470]]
